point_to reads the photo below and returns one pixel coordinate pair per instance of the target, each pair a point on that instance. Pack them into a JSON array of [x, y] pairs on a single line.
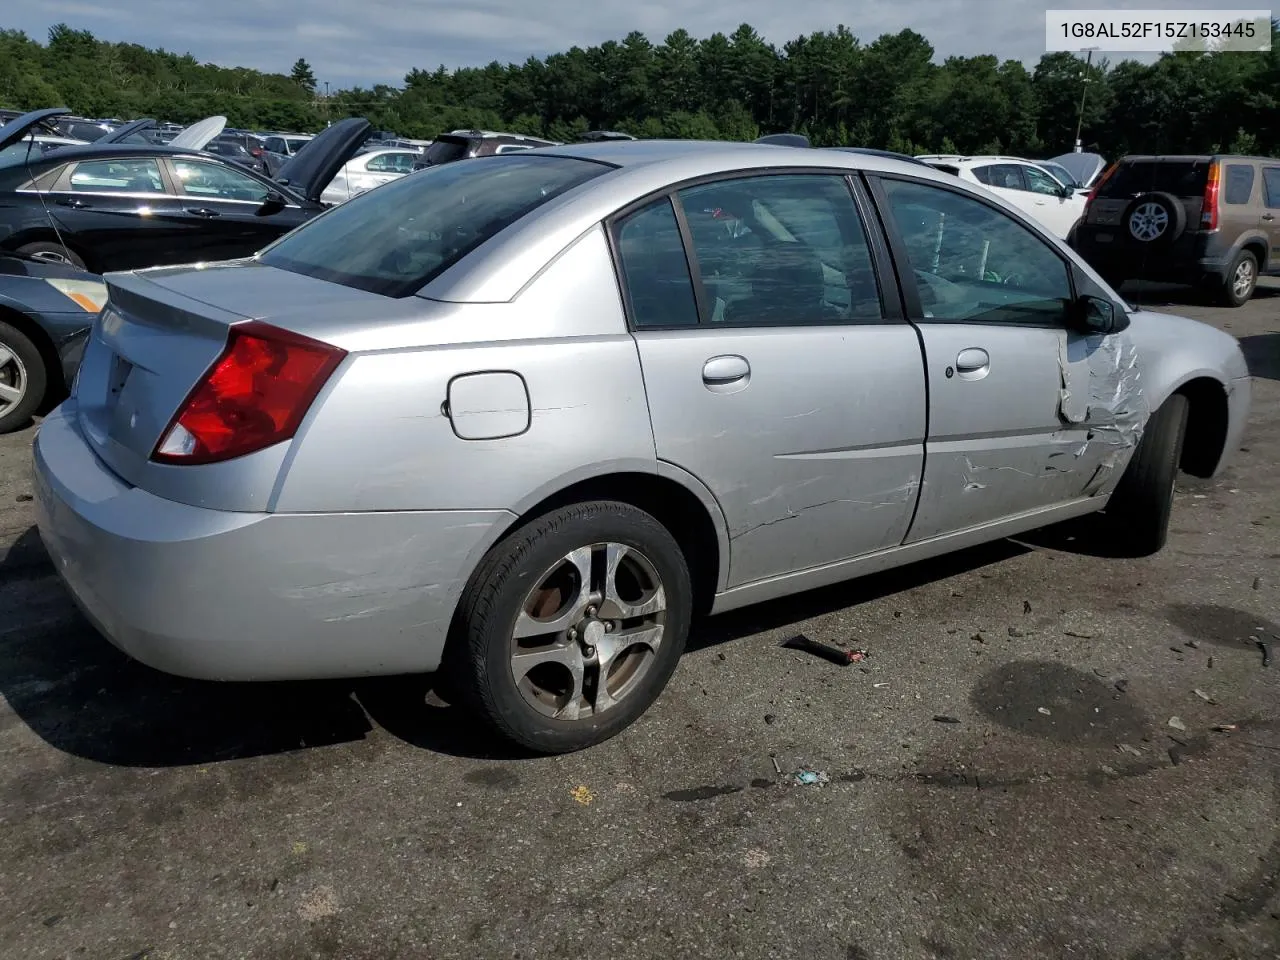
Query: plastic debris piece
[[770, 719], [1193, 644], [1210, 663], [978, 638], [583, 795], [1109, 771], [1045, 710], [1266, 652], [824, 650], [810, 778], [1122, 684], [1077, 635], [1176, 723], [941, 718], [881, 686], [776, 769], [1126, 748], [1204, 696], [1226, 728]]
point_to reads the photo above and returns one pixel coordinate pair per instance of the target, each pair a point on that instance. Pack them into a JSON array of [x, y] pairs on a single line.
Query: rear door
[[121, 210], [225, 209], [1271, 210], [776, 372], [1013, 426]]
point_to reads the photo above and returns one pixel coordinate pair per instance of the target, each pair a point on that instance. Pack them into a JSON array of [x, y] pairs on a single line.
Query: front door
[[1023, 414], [1052, 203], [772, 373], [224, 212]]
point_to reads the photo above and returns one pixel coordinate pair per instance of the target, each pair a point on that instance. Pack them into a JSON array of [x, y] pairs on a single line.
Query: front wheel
[[1139, 509], [572, 626]]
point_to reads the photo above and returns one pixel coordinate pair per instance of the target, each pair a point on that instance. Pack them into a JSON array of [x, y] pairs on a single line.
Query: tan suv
[[1212, 220]]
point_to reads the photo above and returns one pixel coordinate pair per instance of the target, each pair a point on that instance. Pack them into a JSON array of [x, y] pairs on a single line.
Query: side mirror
[[273, 203], [1097, 315]]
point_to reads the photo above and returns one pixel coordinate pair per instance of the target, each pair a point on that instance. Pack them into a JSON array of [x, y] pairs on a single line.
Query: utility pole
[[1084, 89]]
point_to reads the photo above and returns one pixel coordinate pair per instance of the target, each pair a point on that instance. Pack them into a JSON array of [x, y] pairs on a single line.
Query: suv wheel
[[572, 626], [1155, 220], [1242, 278]]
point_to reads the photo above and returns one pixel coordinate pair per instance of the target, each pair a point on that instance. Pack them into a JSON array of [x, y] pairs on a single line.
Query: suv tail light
[[253, 396], [1097, 185], [1209, 209]]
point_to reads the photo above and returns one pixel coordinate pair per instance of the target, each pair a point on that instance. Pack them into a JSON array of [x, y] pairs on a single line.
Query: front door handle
[[75, 203], [973, 363], [726, 370], [202, 212]]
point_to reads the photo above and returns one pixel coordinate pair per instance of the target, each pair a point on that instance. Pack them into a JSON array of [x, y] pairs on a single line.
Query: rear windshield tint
[[446, 151], [395, 239], [1182, 178]]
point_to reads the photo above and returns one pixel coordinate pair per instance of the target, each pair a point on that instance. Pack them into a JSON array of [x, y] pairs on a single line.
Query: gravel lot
[[145, 816]]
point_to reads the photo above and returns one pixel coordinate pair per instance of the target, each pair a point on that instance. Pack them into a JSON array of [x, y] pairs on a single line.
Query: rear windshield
[[395, 239], [1182, 178], [446, 150]]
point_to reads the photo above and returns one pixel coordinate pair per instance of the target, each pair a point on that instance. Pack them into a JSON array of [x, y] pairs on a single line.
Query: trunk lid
[[1181, 177], [199, 134], [309, 171]]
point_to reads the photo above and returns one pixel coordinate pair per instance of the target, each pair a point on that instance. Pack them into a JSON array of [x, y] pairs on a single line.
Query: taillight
[[1209, 209], [1097, 185], [256, 151], [255, 395]]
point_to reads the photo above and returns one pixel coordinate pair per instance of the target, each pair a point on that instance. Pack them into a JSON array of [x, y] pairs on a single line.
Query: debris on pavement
[[1045, 710], [1126, 748], [1176, 723], [1226, 728], [1266, 650], [825, 650], [1015, 632], [1026, 608], [776, 769], [1176, 755], [1204, 696], [770, 719], [1122, 684], [880, 686], [1210, 663], [978, 638], [1257, 583], [1077, 635], [942, 718], [583, 795], [1193, 644], [810, 778]]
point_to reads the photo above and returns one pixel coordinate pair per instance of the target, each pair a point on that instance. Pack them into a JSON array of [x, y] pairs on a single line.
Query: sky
[[363, 42]]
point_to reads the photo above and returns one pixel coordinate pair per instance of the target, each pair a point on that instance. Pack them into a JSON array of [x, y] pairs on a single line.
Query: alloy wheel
[[1242, 279], [13, 380], [1148, 222]]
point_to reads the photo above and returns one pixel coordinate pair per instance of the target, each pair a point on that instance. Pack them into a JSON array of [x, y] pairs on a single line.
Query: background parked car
[[124, 206], [286, 144], [1085, 168], [1211, 220], [462, 144], [366, 171], [1026, 185], [45, 313]]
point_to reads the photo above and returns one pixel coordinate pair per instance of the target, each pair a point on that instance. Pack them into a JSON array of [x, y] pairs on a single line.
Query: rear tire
[[1240, 282], [1139, 509], [52, 252], [601, 598], [23, 378]]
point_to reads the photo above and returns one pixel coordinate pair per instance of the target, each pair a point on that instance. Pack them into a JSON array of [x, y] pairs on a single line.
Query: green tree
[[302, 75]]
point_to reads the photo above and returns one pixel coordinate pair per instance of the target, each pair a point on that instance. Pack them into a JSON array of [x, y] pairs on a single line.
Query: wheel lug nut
[[608, 628], [589, 650], [591, 611], [573, 633]]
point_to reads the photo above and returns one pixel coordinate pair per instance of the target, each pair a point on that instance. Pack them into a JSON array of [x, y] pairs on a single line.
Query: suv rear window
[[446, 149], [394, 239], [1182, 178]]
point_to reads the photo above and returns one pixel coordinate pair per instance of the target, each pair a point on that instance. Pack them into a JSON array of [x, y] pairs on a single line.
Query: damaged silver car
[[522, 419]]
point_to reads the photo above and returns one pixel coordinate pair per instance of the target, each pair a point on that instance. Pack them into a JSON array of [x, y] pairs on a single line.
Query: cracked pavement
[[1063, 815]]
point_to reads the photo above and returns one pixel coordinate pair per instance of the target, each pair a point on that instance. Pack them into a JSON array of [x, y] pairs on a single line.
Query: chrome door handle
[[973, 363], [719, 371], [1267, 216], [202, 212]]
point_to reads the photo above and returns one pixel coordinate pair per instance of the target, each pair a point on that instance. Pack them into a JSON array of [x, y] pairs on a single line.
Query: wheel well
[[54, 380], [44, 235], [680, 511], [1259, 251], [1206, 435]]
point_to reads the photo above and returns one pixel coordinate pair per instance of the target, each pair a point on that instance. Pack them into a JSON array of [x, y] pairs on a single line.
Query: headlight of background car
[[89, 295]]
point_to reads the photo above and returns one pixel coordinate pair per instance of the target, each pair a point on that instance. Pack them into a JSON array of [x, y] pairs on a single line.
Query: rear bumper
[[1191, 258], [251, 596]]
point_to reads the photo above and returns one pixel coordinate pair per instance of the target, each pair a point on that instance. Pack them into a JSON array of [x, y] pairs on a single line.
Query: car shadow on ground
[[1152, 295]]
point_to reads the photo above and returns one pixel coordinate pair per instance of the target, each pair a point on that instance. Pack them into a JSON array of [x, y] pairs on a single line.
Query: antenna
[[26, 162]]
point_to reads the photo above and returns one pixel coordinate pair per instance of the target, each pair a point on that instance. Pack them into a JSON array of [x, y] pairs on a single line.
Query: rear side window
[[117, 176], [655, 272], [1237, 183], [1271, 184], [394, 239], [1183, 178]]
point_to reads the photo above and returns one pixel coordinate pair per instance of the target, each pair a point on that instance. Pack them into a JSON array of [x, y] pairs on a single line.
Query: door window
[[391, 163], [1238, 183], [1271, 186], [1040, 182], [117, 176], [214, 181], [975, 264], [782, 251], [1007, 176], [655, 272]]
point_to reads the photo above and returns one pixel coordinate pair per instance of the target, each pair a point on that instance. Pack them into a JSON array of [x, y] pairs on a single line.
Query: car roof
[[97, 151]]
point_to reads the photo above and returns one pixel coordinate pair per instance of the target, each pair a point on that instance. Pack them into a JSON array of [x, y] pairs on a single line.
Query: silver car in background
[[523, 418], [366, 171]]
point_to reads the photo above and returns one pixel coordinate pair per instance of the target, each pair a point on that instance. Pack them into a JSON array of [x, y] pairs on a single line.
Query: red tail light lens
[[1209, 209], [256, 151], [1097, 185], [255, 395]]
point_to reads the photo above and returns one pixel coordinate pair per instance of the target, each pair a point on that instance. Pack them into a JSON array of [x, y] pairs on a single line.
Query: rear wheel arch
[[1207, 421], [1258, 247], [47, 235]]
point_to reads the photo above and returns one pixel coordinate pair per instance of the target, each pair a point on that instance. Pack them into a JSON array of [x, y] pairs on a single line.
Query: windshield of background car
[[1182, 178], [394, 239]]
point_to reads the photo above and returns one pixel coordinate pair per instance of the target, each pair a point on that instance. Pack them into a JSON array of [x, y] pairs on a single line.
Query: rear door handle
[[75, 203], [973, 363], [202, 212], [1267, 216], [722, 371]]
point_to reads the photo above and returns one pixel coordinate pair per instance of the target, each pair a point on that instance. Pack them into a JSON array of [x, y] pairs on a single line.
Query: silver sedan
[[522, 419]]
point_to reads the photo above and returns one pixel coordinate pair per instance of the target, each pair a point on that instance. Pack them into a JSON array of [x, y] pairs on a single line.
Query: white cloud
[[378, 41]]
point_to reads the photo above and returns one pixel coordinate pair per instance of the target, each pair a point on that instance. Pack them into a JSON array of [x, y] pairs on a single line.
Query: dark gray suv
[[1211, 220]]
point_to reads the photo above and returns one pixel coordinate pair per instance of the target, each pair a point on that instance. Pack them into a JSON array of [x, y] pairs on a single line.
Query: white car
[[1028, 186], [366, 171]]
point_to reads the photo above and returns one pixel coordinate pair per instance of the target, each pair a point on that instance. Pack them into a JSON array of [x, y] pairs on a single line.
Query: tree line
[[889, 93]]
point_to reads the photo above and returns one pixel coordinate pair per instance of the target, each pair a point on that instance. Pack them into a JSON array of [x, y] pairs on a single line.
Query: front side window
[[394, 239], [976, 264], [216, 181], [1040, 182], [391, 163], [117, 176], [1237, 183], [655, 272], [782, 251]]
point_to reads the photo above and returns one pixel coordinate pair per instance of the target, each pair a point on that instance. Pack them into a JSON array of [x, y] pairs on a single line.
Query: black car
[[248, 150], [125, 206]]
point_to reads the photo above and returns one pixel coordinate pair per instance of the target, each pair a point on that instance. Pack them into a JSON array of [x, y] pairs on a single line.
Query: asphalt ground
[[1066, 813]]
